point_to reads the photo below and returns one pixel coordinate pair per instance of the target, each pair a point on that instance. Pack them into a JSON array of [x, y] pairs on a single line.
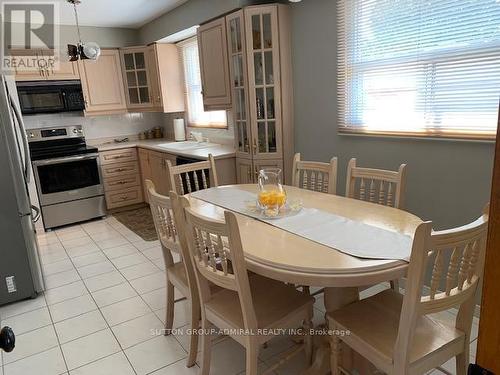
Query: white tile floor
[[105, 299]]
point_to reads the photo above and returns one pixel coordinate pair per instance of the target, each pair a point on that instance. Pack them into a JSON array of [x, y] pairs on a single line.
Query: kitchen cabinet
[[214, 66], [244, 171], [102, 84], [154, 168], [136, 76], [166, 82], [121, 177], [46, 66], [258, 39], [145, 170]]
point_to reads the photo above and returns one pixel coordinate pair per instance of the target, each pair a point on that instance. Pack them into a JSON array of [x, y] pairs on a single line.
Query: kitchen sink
[[187, 145]]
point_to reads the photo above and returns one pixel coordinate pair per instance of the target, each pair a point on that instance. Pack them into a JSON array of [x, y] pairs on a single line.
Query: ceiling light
[[89, 50], [295, 1]]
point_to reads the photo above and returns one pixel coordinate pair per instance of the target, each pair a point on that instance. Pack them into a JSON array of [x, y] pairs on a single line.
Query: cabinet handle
[[124, 197], [254, 146]]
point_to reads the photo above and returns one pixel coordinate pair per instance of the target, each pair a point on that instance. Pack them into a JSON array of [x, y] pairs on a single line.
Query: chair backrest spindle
[[188, 178], [376, 185], [315, 176]]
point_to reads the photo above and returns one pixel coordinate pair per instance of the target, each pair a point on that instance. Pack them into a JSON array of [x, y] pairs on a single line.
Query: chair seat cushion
[[273, 301], [374, 321]]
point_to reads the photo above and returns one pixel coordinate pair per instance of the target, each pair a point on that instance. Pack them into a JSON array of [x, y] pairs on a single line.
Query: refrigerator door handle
[[20, 124], [37, 213]]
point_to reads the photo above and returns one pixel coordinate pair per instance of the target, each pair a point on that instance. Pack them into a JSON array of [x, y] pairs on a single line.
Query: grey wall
[[106, 37], [189, 14], [448, 181]]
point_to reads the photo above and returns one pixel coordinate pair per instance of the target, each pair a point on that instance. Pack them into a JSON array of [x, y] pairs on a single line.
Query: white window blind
[[419, 67], [194, 100]]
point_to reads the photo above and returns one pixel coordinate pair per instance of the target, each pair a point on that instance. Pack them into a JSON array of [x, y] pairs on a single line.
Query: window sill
[[207, 126], [455, 136]]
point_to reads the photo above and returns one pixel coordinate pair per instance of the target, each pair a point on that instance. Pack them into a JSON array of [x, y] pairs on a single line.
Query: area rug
[[139, 221]]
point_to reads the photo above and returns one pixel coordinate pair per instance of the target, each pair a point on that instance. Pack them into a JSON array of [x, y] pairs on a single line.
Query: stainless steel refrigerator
[[20, 272]]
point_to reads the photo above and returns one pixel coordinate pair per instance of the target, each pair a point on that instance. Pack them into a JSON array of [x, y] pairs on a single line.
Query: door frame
[[488, 348]]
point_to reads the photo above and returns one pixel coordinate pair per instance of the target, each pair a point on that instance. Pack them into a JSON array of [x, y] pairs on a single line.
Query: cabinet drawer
[[126, 197], [120, 183], [119, 169], [118, 156]]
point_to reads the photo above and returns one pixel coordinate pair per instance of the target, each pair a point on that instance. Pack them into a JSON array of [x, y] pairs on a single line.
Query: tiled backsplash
[[128, 124], [99, 126]]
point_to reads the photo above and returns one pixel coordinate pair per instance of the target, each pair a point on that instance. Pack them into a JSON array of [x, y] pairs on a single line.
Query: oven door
[[67, 179]]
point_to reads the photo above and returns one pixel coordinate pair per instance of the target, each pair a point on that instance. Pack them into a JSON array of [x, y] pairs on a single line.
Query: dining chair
[[405, 334], [376, 185], [250, 309], [178, 274], [314, 175], [188, 178]]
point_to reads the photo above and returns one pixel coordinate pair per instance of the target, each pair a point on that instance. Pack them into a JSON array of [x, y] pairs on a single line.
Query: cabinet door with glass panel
[[136, 77], [239, 83], [264, 81]]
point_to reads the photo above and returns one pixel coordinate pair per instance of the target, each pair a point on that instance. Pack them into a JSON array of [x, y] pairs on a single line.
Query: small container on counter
[[158, 132]]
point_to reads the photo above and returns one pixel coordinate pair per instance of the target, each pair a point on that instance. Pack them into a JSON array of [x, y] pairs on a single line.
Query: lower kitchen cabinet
[[244, 171], [248, 171], [126, 170], [122, 177], [154, 168]]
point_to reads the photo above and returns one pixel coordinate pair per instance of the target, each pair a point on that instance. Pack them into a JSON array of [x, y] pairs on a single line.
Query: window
[[197, 117], [419, 67]]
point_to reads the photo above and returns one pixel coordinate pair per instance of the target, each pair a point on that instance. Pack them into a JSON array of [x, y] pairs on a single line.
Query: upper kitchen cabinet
[[261, 81], [214, 67], [102, 84], [165, 73], [46, 66], [136, 75]]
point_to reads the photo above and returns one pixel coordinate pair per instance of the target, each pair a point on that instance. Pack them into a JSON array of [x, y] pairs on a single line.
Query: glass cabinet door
[[263, 72], [136, 75], [239, 85]]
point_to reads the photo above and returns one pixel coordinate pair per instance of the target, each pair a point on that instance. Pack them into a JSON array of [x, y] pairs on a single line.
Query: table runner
[[334, 231]]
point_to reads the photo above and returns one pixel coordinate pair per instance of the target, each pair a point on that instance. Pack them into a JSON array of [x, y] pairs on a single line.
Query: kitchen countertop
[[218, 151]]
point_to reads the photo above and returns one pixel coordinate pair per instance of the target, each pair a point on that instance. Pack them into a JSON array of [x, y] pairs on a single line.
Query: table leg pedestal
[[336, 298]]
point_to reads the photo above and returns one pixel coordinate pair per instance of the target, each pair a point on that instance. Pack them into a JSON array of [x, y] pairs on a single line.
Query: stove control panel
[[45, 134]]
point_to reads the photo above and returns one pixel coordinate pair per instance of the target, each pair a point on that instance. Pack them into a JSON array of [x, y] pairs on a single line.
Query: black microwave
[[50, 96]]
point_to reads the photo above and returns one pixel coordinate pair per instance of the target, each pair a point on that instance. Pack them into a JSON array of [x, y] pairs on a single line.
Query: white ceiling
[[113, 13]]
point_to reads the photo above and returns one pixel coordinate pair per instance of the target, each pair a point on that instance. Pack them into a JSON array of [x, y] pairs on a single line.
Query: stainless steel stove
[[67, 174]]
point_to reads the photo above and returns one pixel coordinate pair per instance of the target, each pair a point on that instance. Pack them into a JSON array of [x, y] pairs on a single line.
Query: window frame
[[344, 128]]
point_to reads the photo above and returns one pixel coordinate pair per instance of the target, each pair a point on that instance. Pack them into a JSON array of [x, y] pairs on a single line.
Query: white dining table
[[282, 255]]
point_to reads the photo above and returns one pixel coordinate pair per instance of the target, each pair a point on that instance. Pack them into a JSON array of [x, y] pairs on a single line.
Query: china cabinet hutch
[[258, 43]]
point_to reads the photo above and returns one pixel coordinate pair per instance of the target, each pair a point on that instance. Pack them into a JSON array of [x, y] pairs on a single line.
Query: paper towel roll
[[179, 130]]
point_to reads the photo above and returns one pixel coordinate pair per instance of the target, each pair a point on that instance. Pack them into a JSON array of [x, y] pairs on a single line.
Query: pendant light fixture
[[89, 50]]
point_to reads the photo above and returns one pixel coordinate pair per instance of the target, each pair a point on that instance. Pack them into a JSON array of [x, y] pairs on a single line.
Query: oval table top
[[281, 255]]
